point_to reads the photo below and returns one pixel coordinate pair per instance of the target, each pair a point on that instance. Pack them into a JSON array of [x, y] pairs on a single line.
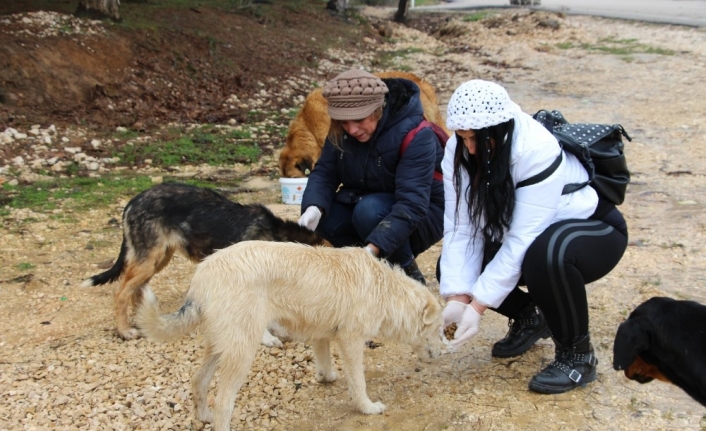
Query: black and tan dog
[[665, 339], [194, 221]]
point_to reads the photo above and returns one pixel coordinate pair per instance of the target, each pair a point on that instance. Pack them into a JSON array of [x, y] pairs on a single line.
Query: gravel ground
[[64, 368]]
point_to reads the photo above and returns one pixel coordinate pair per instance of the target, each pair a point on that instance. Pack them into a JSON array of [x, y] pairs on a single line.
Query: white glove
[[465, 317], [311, 217]]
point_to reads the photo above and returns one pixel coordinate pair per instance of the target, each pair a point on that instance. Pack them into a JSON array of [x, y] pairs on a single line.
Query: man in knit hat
[[363, 190]]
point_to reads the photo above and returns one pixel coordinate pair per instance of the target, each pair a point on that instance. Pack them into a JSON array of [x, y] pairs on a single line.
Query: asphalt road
[[680, 12]]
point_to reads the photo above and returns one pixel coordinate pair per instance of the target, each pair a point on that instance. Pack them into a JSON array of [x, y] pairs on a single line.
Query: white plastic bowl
[[292, 190]]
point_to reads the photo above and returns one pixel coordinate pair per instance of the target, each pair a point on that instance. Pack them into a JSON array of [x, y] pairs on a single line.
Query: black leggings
[[557, 266]]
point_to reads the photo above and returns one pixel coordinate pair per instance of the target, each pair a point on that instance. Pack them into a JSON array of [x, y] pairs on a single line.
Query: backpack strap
[[408, 138], [542, 175]]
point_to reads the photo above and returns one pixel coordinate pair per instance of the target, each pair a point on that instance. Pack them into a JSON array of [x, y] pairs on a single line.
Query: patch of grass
[[630, 41], [634, 404], [126, 135], [139, 16], [672, 245], [101, 243], [476, 16], [388, 59], [625, 47], [291, 113], [295, 5], [66, 29], [78, 193], [140, 23], [652, 282], [25, 266], [83, 193], [256, 116], [204, 144], [659, 51]]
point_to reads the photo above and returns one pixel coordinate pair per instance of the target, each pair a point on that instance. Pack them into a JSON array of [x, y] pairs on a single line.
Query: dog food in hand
[[449, 331]]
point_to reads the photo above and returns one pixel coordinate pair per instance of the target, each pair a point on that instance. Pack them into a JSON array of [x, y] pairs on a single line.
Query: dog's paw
[[130, 334], [270, 340], [278, 331], [371, 408], [205, 415], [326, 377]]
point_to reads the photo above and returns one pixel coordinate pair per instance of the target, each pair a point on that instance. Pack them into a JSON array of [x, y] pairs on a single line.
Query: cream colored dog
[[317, 294], [307, 132]]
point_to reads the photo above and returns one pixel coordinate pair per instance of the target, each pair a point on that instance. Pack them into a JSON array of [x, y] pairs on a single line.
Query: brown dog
[[305, 138], [308, 130]]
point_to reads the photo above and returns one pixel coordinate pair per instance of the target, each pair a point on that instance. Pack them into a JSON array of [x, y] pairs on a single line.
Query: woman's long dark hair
[[491, 191]]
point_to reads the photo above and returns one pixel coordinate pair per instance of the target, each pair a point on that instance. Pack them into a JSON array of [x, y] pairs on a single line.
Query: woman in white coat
[[507, 224]]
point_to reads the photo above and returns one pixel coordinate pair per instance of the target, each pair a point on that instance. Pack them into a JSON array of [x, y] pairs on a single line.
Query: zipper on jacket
[[379, 172]]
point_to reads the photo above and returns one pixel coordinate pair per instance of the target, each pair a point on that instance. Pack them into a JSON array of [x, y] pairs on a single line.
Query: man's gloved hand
[[465, 317], [311, 217]]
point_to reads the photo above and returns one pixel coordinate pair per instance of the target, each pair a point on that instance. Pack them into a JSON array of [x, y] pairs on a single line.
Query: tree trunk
[[402, 9], [337, 5], [99, 9]]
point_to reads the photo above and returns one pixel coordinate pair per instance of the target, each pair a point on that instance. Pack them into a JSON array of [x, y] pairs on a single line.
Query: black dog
[[665, 339], [193, 221]]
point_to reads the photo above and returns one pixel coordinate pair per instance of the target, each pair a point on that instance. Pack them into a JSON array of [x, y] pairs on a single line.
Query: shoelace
[[518, 325]]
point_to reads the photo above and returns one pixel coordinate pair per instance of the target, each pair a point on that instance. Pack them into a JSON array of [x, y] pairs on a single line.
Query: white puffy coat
[[536, 207]]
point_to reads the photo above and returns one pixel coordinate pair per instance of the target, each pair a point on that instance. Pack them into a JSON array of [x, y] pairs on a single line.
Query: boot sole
[[546, 333]]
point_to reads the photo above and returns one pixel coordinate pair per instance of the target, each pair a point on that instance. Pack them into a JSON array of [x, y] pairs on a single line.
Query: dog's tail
[[165, 327], [112, 274]]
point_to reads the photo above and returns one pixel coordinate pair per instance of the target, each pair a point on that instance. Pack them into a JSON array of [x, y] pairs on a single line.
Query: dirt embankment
[[160, 64]]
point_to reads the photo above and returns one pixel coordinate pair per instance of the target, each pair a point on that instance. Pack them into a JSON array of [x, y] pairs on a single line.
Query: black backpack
[[599, 147]]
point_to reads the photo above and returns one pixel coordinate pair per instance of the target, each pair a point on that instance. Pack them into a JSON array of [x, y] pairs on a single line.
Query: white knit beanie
[[478, 104]]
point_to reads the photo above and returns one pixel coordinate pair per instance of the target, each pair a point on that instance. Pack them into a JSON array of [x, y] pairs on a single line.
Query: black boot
[[525, 330], [412, 271], [573, 366]]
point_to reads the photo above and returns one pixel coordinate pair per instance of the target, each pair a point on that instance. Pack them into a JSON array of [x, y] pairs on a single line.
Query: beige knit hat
[[354, 94]]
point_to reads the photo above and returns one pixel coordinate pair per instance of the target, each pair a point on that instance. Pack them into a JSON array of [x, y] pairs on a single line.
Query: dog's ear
[[431, 312], [632, 338]]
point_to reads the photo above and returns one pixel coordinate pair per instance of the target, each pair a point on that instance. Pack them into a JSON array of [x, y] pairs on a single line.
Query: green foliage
[[425, 2], [126, 135], [620, 47], [476, 16], [392, 3], [204, 144], [73, 194], [25, 266], [387, 60], [78, 194]]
